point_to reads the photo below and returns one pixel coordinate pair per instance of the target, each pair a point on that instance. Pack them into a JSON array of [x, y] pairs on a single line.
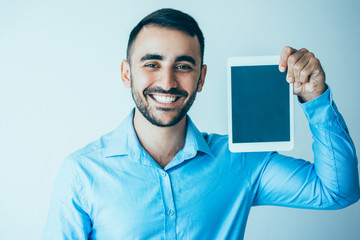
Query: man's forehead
[[165, 41]]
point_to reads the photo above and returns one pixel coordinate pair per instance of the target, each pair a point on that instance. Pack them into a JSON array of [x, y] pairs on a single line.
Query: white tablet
[[260, 105]]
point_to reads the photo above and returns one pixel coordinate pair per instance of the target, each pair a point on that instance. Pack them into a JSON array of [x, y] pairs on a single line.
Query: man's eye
[[184, 67], [150, 65]]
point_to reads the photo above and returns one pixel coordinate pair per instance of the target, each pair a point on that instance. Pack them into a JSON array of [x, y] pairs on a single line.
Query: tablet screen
[[260, 104]]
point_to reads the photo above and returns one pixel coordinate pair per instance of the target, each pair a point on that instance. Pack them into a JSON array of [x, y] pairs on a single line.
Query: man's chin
[[166, 118], [163, 122], [165, 109]]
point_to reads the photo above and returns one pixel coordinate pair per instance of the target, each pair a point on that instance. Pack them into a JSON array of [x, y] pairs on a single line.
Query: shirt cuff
[[320, 110]]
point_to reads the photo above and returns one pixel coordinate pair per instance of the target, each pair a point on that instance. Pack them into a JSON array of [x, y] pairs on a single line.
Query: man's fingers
[[300, 71], [304, 71], [292, 60], [308, 70], [285, 53], [298, 87]]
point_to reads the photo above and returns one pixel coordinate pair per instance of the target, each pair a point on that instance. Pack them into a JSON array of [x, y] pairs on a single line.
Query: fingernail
[[282, 69], [290, 79]]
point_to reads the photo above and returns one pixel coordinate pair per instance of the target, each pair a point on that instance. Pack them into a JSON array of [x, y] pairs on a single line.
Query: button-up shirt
[[113, 189]]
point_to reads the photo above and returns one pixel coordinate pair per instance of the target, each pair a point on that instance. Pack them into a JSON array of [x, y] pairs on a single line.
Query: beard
[[150, 112]]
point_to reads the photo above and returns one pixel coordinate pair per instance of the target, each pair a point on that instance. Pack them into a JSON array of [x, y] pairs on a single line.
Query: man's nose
[[167, 79]]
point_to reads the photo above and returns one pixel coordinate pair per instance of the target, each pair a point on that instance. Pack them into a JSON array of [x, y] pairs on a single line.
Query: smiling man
[[158, 177], [164, 70]]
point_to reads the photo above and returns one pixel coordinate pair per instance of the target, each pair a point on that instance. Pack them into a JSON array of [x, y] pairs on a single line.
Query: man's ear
[[202, 77], [125, 73]]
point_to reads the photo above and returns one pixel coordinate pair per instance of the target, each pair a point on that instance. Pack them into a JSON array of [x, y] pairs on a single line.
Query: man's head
[[164, 67], [171, 19]]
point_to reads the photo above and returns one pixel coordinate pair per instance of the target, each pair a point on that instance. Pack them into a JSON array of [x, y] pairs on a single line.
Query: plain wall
[[60, 88]]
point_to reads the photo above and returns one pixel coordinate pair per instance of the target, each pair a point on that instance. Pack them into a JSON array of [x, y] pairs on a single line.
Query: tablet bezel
[[257, 146]]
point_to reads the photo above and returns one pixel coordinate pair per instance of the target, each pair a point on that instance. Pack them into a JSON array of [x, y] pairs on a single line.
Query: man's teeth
[[164, 99]]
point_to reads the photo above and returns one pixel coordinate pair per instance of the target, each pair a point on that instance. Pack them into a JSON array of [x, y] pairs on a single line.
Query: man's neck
[[162, 143]]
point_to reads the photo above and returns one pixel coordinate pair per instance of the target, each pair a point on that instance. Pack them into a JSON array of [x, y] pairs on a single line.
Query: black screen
[[260, 104]]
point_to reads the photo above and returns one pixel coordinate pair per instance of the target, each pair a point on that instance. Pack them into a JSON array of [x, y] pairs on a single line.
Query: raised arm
[[332, 182]]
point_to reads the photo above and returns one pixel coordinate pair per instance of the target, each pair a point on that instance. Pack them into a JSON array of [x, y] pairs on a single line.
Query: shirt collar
[[123, 141], [194, 141]]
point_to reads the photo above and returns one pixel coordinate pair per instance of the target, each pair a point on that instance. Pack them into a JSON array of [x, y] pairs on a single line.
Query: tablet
[[260, 105]]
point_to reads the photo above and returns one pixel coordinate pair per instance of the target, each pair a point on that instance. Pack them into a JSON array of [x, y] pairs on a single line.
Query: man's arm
[[332, 182], [68, 218]]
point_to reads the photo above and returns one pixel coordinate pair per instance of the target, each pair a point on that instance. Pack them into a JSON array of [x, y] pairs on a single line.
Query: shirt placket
[[168, 199]]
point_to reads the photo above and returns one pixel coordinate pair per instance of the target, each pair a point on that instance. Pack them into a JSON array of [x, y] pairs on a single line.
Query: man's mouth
[[169, 97], [164, 99]]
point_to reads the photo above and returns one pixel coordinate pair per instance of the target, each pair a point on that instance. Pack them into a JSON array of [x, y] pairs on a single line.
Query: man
[[158, 177]]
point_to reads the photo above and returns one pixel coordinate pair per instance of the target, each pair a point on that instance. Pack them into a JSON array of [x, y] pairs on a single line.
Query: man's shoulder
[[93, 150], [215, 138], [220, 144]]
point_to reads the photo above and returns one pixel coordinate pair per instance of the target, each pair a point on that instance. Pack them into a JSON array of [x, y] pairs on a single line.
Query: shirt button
[[163, 174], [170, 212]]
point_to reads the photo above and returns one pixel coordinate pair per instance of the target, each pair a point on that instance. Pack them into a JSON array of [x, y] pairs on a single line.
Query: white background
[[60, 88]]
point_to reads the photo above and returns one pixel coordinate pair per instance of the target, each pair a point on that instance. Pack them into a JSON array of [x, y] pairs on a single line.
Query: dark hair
[[172, 19]]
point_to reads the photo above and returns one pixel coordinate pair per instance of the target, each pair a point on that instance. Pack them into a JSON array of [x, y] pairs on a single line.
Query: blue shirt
[[113, 189]]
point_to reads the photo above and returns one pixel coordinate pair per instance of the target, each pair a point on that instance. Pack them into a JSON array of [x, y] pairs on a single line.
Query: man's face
[[164, 74]]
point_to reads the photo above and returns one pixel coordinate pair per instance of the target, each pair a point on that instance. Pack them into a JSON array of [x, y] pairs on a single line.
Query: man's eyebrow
[[186, 58], [177, 59], [151, 57]]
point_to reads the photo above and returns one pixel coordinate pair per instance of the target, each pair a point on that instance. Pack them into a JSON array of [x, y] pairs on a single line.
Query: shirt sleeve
[[331, 182], [68, 218]]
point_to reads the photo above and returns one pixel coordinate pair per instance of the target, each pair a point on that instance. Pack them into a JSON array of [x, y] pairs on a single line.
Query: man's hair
[[172, 19]]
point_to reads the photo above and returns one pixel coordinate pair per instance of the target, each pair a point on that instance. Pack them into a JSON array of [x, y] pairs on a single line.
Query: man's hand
[[305, 71]]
